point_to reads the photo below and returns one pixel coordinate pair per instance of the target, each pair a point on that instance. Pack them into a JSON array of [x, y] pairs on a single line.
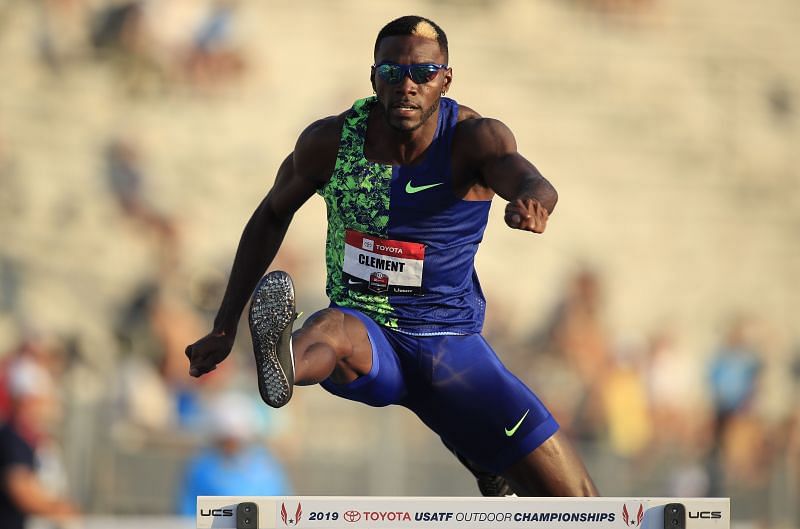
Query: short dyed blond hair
[[416, 26]]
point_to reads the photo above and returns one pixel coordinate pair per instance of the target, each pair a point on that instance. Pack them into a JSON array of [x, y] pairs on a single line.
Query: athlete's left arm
[[531, 198]]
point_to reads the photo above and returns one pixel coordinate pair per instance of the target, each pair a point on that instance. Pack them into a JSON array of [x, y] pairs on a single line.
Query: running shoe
[[272, 313]]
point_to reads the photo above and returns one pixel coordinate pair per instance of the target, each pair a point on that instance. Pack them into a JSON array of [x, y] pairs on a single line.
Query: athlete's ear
[[372, 78], [448, 78]]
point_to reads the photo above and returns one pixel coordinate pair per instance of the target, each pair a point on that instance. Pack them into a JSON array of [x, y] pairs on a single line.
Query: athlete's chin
[[404, 125]]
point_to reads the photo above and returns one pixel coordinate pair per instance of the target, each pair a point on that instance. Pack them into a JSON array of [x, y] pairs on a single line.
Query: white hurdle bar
[[341, 512]]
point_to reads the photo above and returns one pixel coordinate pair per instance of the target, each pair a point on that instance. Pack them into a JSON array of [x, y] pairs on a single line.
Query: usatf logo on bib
[[382, 266]]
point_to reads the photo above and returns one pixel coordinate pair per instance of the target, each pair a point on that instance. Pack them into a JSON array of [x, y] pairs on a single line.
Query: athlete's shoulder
[[476, 135], [317, 146], [465, 113], [322, 133]]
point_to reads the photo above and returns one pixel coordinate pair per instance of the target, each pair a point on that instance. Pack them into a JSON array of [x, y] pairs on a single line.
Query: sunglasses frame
[[406, 71]]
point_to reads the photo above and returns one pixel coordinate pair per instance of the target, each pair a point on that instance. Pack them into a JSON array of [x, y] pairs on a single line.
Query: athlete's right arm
[[304, 171]]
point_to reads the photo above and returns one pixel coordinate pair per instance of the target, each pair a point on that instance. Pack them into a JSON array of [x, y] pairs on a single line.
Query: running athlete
[[407, 176]]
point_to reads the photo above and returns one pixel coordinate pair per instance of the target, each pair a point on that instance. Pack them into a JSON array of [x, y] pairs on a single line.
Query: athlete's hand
[[207, 352], [526, 214]]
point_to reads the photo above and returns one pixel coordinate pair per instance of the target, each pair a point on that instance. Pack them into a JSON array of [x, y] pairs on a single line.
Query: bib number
[[382, 266]]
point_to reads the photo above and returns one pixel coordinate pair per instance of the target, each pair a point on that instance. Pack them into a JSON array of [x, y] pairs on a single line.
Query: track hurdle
[[340, 512]]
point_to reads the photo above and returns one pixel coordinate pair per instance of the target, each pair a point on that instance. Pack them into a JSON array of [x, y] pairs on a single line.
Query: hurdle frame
[[342, 512]]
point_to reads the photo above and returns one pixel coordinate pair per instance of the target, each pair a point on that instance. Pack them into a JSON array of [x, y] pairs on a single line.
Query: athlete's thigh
[[384, 384], [477, 405]]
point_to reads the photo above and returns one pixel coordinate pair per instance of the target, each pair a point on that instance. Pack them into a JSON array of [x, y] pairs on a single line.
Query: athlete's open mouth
[[404, 106]]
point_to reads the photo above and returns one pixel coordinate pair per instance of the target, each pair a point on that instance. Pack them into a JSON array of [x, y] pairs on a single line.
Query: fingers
[[526, 214], [513, 214], [199, 362], [198, 371]]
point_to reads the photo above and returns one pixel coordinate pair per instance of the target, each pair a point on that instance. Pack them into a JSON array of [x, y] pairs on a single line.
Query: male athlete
[[408, 176]]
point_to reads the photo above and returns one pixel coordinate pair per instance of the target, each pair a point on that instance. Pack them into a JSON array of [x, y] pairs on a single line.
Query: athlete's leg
[[493, 420], [551, 469], [331, 344], [489, 483]]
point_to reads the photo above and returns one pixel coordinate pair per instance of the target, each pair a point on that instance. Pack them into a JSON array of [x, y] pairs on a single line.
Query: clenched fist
[[207, 352], [526, 214]]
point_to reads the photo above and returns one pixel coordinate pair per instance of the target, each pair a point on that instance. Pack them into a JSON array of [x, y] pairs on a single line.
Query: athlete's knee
[[325, 321], [323, 327]]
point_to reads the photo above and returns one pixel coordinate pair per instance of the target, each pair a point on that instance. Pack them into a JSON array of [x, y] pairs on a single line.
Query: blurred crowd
[[682, 421], [150, 46], [60, 411], [722, 422], [216, 435]]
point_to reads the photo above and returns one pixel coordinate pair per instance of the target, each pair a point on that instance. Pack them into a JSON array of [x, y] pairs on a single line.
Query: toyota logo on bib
[[352, 516]]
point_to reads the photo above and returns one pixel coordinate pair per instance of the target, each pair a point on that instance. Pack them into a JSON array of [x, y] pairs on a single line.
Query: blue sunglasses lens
[[419, 73], [391, 73]]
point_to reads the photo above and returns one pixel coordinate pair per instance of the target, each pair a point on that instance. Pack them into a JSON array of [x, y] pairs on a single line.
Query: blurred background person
[[576, 334], [733, 373], [236, 461], [31, 477]]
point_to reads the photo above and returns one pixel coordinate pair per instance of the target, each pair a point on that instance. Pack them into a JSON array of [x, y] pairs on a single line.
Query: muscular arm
[[260, 241], [299, 176], [531, 198]]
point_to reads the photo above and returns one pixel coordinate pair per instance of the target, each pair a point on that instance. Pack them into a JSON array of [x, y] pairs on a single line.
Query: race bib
[[381, 266]]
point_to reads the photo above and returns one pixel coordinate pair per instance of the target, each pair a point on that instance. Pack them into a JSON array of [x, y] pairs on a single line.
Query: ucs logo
[[626, 517], [216, 512], [297, 515], [706, 515]]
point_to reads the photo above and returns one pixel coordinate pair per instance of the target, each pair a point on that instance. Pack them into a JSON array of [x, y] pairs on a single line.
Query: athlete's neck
[[386, 144]]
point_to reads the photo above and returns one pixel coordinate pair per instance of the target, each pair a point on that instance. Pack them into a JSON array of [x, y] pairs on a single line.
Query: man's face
[[407, 104]]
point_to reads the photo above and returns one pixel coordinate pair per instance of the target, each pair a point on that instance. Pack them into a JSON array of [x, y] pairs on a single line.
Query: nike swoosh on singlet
[[513, 430], [410, 189]]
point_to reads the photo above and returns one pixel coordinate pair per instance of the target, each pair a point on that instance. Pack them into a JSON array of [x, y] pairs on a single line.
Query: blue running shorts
[[458, 387]]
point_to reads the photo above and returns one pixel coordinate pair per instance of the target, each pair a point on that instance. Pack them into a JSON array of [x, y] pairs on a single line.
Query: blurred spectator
[[625, 406], [126, 180], [742, 451], [578, 329], [212, 57], [152, 331], [235, 464], [33, 349], [118, 27], [25, 489], [675, 395], [121, 34], [577, 333], [746, 460], [678, 413], [733, 373], [153, 45], [60, 33]]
